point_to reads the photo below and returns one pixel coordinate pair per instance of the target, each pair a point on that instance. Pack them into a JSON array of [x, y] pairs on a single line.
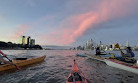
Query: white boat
[[122, 65]]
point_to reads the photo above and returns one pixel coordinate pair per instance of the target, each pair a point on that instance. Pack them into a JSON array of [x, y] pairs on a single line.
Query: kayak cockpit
[[20, 59], [75, 77]]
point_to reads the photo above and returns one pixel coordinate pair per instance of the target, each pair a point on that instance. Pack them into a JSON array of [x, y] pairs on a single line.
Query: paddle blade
[[2, 53], [117, 45], [18, 67]]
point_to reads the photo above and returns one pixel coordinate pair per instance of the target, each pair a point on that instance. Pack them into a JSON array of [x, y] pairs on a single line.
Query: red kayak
[[76, 76]]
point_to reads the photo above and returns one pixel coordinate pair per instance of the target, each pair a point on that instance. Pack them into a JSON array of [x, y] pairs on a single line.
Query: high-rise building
[[22, 40], [100, 44], [28, 40], [32, 43], [113, 46], [91, 42], [87, 44], [127, 44]]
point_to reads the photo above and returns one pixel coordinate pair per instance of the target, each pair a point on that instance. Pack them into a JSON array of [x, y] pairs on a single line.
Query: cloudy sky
[[69, 22]]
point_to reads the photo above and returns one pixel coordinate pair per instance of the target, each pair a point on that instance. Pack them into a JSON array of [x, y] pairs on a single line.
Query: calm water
[[57, 66]]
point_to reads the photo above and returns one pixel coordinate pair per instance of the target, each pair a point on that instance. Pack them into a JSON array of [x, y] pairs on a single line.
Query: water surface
[[58, 64]]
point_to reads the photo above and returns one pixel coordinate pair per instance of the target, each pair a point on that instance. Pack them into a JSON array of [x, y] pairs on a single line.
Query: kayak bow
[[76, 76], [122, 65]]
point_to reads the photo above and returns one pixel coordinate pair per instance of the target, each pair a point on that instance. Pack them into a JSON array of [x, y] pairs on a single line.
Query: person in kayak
[[99, 52], [128, 57]]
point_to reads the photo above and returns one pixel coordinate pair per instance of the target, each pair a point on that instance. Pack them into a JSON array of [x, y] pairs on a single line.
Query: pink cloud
[[20, 31], [74, 27]]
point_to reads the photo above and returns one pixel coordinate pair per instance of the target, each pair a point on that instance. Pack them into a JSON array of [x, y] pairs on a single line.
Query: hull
[[122, 65], [72, 77], [99, 58], [21, 63]]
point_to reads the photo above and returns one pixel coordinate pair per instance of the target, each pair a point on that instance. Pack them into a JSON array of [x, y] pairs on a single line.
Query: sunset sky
[[69, 22]]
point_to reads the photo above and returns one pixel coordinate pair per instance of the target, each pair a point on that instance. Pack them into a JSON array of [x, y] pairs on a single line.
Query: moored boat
[[122, 65], [102, 57], [97, 57], [81, 55], [21, 63], [76, 76]]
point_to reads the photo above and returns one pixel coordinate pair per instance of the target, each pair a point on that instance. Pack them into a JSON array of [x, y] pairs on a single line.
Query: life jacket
[[133, 55], [131, 58]]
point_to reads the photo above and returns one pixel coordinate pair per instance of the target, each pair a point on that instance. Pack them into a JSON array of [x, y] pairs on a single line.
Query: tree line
[[10, 45]]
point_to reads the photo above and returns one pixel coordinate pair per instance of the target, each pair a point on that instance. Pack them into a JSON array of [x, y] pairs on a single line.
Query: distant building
[[112, 47], [28, 41], [89, 44], [32, 43], [127, 44], [100, 43], [22, 40]]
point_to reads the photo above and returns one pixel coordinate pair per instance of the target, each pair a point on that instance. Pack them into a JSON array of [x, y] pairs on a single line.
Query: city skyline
[[63, 22]]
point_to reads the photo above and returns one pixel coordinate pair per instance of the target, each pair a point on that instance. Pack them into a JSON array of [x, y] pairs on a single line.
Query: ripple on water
[[57, 66]]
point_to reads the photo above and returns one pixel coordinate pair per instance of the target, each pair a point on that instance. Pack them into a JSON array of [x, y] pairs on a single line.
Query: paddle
[[19, 68], [117, 46]]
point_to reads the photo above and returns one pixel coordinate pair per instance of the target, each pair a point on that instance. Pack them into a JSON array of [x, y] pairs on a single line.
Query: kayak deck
[[122, 65], [98, 57], [76, 76], [21, 63]]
